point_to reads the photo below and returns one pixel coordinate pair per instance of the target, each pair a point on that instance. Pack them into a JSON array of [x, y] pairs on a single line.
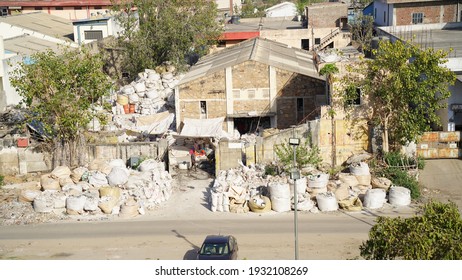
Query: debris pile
[[104, 188], [150, 93], [245, 189]]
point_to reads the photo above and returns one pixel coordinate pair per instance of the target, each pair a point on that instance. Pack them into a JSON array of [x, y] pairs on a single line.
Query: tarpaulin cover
[[154, 124], [202, 127]]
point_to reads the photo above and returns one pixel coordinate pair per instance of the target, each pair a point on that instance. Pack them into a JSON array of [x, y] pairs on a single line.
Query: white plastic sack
[[305, 205], [374, 198], [399, 196], [300, 186], [128, 89], [140, 87], [98, 179], [118, 176], [152, 94], [360, 168], [43, 204], [327, 202], [280, 204], [318, 181], [75, 204]]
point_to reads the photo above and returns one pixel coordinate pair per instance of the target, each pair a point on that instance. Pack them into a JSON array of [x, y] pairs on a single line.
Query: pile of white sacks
[[102, 188], [149, 93], [233, 190]]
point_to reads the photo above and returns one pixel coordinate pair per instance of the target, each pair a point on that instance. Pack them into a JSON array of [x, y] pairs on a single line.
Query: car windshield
[[214, 249]]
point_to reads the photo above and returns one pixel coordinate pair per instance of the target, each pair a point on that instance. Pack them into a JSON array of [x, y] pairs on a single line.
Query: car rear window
[[214, 249]]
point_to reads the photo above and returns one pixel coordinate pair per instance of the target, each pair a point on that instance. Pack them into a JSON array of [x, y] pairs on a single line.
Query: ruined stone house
[[256, 83]]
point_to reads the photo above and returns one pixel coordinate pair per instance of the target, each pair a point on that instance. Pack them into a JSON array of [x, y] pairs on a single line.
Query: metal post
[[295, 209]]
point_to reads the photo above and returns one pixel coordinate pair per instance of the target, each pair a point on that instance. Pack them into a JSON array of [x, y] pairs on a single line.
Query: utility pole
[[295, 174]]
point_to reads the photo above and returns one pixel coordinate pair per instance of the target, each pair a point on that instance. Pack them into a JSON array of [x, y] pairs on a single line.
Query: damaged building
[[253, 85]]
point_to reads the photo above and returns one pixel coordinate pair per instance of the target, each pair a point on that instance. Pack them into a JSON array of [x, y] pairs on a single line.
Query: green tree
[[59, 90], [361, 30], [434, 235], [306, 154], [328, 71], [157, 31], [405, 86]]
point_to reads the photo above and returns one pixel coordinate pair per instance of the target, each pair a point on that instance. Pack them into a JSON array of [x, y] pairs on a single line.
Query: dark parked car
[[218, 247]]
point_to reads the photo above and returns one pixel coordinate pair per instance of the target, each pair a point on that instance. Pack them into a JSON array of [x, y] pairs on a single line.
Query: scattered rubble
[[246, 189], [103, 189]]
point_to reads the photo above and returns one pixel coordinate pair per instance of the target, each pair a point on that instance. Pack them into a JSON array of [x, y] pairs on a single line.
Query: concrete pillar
[[272, 95], [229, 98], [22, 161]]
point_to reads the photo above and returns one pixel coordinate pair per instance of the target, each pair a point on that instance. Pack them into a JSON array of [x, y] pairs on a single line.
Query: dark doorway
[[250, 125]]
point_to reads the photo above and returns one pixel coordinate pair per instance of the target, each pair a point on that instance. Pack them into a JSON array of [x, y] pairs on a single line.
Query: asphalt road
[[259, 237]]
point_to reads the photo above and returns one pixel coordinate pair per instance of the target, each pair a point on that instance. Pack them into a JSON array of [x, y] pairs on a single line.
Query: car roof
[[217, 238]]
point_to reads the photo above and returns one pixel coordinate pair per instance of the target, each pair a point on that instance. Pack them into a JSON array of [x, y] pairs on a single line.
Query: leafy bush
[[435, 235], [305, 155], [401, 178], [1, 180], [271, 170], [396, 159]]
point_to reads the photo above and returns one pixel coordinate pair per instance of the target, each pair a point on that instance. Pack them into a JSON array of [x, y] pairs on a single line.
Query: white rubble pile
[[105, 188], [246, 189]]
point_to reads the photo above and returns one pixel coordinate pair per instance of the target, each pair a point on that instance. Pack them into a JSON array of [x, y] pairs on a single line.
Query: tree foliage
[[157, 31], [362, 28], [59, 89], [405, 85], [434, 235], [305, 154]]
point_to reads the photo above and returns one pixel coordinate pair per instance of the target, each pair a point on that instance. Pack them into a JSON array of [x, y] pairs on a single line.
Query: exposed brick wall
[[241, 106], [209, 87], [290, 87], [250, 74], [431, 11]]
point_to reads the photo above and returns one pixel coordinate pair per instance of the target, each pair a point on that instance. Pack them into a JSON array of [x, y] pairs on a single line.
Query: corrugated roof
[[28, 45], [261, 50], [42, 23]]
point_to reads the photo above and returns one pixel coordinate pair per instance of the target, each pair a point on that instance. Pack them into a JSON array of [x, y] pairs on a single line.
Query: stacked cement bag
[[105, 187], [381, 183], [326, 202], [280, 197], [317, 183], [118, 176], [129, 209], [361, 171], [399, 196], [109, 199], [374, 198], [75, 204], [49, 183], [149, 92], [48, 201]]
